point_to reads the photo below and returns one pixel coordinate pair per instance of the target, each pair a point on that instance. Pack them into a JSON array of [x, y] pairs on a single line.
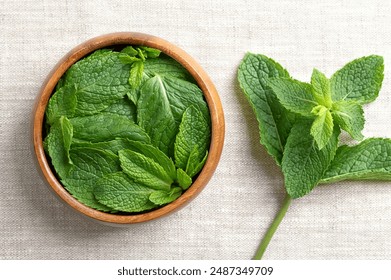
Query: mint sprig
[[306, 144]]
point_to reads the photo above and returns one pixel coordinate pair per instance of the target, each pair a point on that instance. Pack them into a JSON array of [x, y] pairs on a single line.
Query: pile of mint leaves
[[127, 130], [300, 125]]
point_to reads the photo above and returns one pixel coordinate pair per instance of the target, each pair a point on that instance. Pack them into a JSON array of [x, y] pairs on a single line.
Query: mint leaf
[[127, 59], [130, 51], [321, 88], [100, 79], [183, 179], [144, 170], [303, 164], [112, 146], [141, 54], [163, 197], [194, 166], [58, 143], [295, 96], [123, 107], [136, 74], [274, 120], [61, 103], [153, 153], [106, 126], [100, 51], [150, 52], [181, 94], [162, 102], [60, 84], [130, 54], [88, 166], [193, 131], [359, 80], [163, 65], [369, 160], [134, 93], [350, 117], [155, 116], [121, 193], [322, 127]]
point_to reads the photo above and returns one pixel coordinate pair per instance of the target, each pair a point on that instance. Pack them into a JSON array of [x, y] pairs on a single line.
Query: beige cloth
[[228, 219]]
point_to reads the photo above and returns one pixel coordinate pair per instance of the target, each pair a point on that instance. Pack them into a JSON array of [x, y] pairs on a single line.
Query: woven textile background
[[349, 220]]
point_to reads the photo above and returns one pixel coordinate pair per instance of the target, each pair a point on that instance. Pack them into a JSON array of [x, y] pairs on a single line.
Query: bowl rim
[[204, 82]]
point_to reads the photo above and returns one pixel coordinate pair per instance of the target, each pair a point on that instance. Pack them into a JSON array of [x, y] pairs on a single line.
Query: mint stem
[[273, 227]]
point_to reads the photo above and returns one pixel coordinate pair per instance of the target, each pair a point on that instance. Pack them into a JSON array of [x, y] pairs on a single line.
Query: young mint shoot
[[300, 124]]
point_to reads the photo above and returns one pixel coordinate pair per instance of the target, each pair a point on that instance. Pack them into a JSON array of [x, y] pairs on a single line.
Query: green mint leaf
[[101, 51], [162, 102], [60, 83], [359, 80], [141, 53], [134, 93], [274, 120], [164, 197], [121, 193], [129, 50], [322, 127], [61, 103], [136, 74], [163, 65], [194, 131], [349, 115], [58, 143], [106, 126], [144, 170], [112, 146], [321, 88], [184, 180], [89, 165], [303, 164], [181, 94], [369, 160], [123, 107], [295, 96], [155, 116], [193, 165], [127, 59], [150, 52], [101, 79], [153, 153]]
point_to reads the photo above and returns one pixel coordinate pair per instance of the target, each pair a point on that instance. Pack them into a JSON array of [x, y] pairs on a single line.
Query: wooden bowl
[[204, 82]]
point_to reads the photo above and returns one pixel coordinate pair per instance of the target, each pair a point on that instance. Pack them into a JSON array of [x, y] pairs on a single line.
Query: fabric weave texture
[[348, 220]]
